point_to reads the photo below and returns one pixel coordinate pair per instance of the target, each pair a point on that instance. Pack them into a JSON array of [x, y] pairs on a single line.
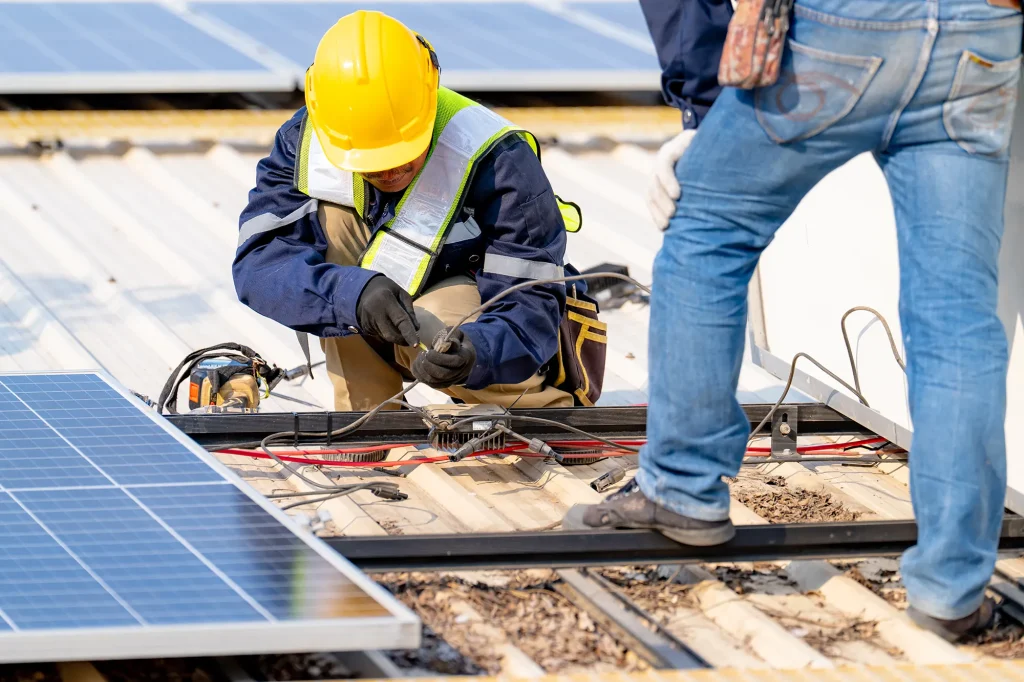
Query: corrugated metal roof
[[118, 257]]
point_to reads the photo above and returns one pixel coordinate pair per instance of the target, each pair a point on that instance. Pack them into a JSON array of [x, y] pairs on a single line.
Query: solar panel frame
[[270, 72], [400, 628]]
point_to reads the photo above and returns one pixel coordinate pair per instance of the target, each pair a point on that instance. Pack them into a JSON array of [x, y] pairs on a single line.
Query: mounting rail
[[403, 426], [561, 549]]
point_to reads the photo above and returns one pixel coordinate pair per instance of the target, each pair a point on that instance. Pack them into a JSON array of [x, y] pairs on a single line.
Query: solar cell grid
[[107, 46], [476, 36], [481, 45], [96, 537], [628, 15]]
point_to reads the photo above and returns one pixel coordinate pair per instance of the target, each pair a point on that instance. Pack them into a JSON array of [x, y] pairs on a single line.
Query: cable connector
[[468, 448], [607, 480], [389, 494], [542, 448]]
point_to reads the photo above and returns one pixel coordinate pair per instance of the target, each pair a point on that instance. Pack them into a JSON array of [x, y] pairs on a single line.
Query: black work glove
[[439, 369], [384, 310]]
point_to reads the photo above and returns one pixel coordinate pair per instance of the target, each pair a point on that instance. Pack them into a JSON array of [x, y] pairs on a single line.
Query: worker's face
[[397, 179]]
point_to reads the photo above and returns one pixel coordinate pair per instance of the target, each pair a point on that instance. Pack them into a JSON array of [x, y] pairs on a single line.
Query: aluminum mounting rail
[[561, 549], [403, 426]]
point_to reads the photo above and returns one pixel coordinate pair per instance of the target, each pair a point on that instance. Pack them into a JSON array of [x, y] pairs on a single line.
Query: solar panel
[[76, 47], [481, 46], [627, 15], [121, 538]]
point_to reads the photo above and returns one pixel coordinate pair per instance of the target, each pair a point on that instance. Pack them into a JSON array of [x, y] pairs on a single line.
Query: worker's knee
[[346, 233], [445, 304]]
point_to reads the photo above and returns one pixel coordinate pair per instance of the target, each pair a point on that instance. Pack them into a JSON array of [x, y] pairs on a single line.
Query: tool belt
[[582, 347], [754, 43]]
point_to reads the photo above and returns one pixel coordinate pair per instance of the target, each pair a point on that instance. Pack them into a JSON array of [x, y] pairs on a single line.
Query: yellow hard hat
[[371, 93]]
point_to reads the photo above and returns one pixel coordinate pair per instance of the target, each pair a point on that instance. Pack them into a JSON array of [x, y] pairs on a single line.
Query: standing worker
[[928, 87], [388, 209]]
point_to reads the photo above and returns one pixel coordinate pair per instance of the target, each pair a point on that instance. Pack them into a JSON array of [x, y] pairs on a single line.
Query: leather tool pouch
[[754, 43], [582, 346]]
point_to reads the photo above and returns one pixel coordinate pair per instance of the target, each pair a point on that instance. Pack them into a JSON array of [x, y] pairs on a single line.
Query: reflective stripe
[[521, 268], [404, 248], [325, 181], [397, 259], [265, 222], [425, 212]]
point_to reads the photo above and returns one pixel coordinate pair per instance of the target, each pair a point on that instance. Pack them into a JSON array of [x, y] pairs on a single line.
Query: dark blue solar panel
[[154, 574], [25, 439], [107, 520], [103, 427], [485, 36], [255, 551], [626, 14], [41, 584], [53, 37]]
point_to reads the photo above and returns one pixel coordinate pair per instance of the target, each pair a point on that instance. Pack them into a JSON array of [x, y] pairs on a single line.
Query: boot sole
[[702, 537], [705, 537]]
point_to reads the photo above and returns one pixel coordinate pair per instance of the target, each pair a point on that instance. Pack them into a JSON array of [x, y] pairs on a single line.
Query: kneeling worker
[[389, 208]]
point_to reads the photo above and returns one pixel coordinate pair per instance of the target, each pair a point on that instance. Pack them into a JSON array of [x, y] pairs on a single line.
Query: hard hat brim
[[378, 159]]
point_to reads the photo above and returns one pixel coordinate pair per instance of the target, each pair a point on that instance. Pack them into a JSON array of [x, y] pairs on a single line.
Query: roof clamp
[[785, 431]]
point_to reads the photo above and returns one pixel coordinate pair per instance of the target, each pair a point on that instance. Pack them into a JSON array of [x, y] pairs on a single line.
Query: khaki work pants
[[361, 375]]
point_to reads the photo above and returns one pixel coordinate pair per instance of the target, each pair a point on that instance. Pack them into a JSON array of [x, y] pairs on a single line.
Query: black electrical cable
[[281, 496], [853, 365], [533, 282], [396, 399], [332, 496], [572, 429], [849, 348], [789, 384]]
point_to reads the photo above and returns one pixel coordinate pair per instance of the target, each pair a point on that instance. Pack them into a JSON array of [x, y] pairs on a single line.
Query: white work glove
[[663, 190]]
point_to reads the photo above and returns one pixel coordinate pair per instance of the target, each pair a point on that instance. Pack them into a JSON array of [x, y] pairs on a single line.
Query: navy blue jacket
[[280, 269], [689, 36]]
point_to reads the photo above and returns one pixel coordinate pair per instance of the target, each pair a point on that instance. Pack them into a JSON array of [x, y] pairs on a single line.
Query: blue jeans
[[929, 88]]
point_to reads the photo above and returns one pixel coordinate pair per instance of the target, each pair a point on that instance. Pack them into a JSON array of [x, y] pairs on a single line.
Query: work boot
[[952, 630], [630, 508]]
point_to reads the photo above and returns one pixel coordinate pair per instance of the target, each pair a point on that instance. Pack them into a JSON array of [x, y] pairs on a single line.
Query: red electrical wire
[[827, 446], [518, 449]]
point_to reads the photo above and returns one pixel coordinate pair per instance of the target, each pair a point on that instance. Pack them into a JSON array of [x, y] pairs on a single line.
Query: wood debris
[[1006, 640], [549, 629], [770, 498], [881, 576]]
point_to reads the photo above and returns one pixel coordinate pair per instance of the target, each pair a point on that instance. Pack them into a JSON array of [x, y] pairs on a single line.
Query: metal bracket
[[784, 430]]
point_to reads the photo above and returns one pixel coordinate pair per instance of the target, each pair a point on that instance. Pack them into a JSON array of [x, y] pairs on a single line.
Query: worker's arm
[[519, 218], [279, 267], [689, 36]]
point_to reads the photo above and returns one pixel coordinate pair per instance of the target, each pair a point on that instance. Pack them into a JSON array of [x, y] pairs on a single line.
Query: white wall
[[1011, 307], [838, 251]]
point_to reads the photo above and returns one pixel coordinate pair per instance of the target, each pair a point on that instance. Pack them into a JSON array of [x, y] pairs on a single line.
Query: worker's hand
[[385, 310], [663, 191], [439, 369]]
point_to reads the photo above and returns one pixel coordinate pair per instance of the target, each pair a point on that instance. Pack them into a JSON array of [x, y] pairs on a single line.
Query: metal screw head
[[784, 429]]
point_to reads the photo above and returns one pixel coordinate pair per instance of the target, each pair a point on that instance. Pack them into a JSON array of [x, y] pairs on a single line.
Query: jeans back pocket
[[815, 90], [978, 115]]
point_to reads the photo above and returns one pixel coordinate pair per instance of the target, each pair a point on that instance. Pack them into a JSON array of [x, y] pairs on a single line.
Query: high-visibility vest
[[406, 247]]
